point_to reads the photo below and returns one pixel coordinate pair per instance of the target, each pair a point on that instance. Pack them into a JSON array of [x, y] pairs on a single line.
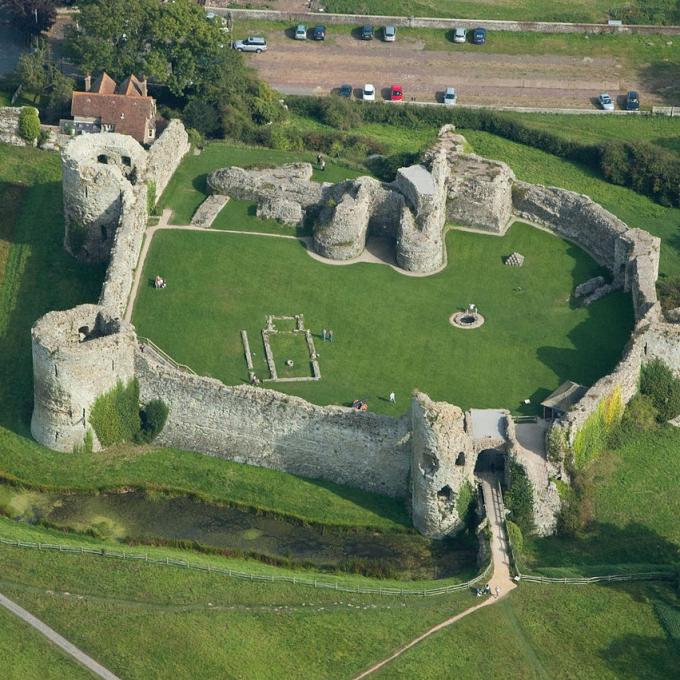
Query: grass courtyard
[[392, 331]]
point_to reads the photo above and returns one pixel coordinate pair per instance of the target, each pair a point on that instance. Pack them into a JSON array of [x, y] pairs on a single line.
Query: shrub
[[516, 539], [115, 415], [153, 417], [465, 504], [196, 139], [29, 124], [202, 116], [557, 443], [519, 498], [663, 389], [43, 137]]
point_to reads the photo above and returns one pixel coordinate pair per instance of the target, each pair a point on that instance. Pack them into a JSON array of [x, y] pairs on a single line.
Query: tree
[[29, 124], [31, 17]]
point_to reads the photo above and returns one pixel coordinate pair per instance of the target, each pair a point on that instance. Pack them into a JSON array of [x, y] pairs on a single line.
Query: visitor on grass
[[393, 398]]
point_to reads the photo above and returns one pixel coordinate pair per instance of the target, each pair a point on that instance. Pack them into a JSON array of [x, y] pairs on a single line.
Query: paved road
[[57, 639]]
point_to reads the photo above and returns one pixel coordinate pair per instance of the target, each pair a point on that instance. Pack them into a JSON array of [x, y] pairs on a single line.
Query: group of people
[[486, 590], [360, 405], [327, 335], [320, 162], [159, 282]]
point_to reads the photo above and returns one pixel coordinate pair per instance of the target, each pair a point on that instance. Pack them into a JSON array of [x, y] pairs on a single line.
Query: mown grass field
[[526, 10], [533, 338], [187, 189], [26, 655], [553, 631], [144, 621]]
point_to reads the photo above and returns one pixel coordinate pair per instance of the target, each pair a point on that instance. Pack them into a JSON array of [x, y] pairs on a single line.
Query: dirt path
[[58, 640], [481, 78], [501, 578]]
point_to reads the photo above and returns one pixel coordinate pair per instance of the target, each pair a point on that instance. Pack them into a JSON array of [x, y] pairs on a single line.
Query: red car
[[397, 93]]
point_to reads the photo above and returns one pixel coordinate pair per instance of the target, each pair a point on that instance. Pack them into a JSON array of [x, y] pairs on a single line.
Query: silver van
[[450, 96], [389, 33]]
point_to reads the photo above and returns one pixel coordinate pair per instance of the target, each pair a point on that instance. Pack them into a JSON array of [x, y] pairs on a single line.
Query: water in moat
[[139, 517]]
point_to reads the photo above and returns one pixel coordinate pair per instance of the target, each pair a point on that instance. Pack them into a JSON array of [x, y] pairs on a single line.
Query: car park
[[251, 44], [345, 90], [319, 33], [368, 93], [632, 101], [605, 101], [367, 32], [450, 96], [460, 35], [397, 93], [300, 32], [479, 36], [389, 33]]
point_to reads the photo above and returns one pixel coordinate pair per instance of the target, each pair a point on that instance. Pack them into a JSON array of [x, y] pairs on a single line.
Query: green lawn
[[187, 188], [551, 632], [658, 130], [27, 655], [525, 10], [144, 621], [532, 341], [635, 509]]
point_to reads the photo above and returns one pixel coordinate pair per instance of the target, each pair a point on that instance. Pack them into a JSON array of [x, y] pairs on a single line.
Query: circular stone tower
[[78, 355], [97, 171]]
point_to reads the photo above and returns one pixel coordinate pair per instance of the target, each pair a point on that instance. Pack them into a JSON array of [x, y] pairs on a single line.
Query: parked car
[[345, 90], [460, 35], [605, 101], [390, 33], [251, 44], [368, 93], [300, 32], [632, 101], [479, 36], [367, 32], [319, 33], [397, 93], [450, 96]]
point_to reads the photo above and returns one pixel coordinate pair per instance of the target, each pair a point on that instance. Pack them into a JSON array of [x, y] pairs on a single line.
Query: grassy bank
[[553, 631]]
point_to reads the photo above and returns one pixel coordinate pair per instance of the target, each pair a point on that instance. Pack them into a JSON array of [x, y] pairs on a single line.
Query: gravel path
[[58, 640]]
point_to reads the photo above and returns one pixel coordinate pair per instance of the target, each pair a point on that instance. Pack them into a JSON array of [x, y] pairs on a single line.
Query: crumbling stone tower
[[98, 172], [78, 355]]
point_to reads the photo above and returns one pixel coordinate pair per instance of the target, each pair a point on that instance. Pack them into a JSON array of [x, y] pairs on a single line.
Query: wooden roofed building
[[562, 399]]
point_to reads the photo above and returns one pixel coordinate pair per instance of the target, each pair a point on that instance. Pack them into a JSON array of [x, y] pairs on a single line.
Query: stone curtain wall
[[127, 244], [269, 429], [166, 154], [9, 126]]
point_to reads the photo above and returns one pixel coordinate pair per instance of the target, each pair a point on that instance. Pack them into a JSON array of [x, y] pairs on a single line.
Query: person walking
[[324, 334], [331, 336], [498, 592], [393, 398]]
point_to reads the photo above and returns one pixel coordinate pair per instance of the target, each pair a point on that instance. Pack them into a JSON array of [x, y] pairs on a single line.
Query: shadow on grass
[[200, 183], [600, 548], [627, 655]]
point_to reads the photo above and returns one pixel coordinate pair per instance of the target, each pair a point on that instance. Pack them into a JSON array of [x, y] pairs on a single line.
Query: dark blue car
[[319, 33], [478, 36]]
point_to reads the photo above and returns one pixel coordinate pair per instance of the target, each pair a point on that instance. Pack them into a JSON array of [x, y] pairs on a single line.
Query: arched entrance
[[491, 461]]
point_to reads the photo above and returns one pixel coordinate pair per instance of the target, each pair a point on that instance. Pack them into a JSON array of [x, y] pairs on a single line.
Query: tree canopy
[[30, 16], [173, 43]]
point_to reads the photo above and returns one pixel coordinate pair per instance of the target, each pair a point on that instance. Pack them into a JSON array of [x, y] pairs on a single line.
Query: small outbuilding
[[562, 399]]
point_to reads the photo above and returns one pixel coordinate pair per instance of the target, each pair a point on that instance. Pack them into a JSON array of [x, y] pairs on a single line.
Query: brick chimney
[[142, 86], [88, 82]]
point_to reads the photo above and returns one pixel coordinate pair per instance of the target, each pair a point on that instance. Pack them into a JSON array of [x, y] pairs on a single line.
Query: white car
[[450, 96], [389, 33], [251, 44], [460, 35], [368, 93], [300, 32], [606, 102]]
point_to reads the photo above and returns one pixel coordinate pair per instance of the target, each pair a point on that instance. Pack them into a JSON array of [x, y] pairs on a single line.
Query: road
[[482, 78]]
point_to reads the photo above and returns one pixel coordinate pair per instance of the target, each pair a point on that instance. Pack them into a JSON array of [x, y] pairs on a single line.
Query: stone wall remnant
[[9, 126], [165, 155]]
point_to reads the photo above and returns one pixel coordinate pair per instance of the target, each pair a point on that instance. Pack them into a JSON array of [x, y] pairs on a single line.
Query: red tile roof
[[126, 109]]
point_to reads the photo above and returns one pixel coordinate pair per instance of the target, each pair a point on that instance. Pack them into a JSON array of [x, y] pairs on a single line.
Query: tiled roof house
[[107, 107]]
